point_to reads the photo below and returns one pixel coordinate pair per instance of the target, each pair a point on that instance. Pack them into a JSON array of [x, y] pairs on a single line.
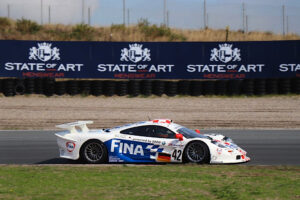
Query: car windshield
[[188, 133]]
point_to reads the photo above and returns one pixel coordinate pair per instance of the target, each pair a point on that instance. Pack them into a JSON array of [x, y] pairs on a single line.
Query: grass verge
[[24, 29], [149, 182]]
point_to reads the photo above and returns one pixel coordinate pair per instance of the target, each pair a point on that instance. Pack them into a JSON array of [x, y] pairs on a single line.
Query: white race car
[[152, 141]]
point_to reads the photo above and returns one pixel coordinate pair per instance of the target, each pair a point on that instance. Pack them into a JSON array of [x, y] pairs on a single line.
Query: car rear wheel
[[196, 152], [93, 152]]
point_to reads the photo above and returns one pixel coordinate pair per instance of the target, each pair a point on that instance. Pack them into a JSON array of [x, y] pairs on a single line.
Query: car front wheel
[[196, 152]]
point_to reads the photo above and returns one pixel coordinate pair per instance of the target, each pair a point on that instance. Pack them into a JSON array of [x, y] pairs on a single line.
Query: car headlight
[[227, 139]]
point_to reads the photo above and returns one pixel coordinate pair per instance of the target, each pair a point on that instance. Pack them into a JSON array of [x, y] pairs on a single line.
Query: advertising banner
[[150, 60]]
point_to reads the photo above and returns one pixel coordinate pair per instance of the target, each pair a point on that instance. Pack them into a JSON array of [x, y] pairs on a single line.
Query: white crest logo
[[225, 53], [44, 52], [135, 53]]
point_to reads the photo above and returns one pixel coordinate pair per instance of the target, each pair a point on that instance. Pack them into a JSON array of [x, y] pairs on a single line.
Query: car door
[[134, 145], [170, 148]]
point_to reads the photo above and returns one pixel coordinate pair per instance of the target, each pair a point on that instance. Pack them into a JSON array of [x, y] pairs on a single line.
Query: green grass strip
[[149, 182]]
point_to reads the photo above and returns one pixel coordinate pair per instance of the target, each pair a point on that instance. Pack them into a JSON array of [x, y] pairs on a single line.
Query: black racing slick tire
[[196, 152], [93, 152]]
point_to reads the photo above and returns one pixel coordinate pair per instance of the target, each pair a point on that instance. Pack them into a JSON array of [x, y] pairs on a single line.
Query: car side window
[[139, 131], [163, 132]]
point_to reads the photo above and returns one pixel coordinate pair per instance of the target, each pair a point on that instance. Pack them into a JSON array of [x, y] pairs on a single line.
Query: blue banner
[[150, 60]]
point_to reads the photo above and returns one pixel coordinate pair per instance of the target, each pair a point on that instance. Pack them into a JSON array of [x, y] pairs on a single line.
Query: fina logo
[[225, 53], [44, 52], [135, 53]]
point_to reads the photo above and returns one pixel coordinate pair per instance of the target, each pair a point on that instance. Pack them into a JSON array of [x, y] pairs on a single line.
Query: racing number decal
[[176, 154]]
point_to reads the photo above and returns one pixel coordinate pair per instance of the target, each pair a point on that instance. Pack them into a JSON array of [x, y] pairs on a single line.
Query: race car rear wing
[[72, 126]]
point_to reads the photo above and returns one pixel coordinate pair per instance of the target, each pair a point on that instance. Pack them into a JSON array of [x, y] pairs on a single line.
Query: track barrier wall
[[146, 68], [49, 87], [150, 60]]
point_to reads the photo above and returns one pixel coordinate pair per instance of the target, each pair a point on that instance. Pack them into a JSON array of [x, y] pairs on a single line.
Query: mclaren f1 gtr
[[152, 141]]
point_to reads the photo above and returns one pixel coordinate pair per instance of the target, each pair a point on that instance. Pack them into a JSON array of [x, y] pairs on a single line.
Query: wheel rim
[[93, 152], [195, 152]]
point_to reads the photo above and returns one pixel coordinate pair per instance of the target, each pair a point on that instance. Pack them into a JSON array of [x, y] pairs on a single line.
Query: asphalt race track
[[272, 147]]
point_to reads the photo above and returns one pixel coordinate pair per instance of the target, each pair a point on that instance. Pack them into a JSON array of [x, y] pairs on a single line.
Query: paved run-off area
[[43, 113]]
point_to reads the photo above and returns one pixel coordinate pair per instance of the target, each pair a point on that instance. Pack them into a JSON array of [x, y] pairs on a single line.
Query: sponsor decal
[[163, 157], [43, 53], [163, 143], [289, 68], [131, 151], [226, 68], [134, 68], [126, 148], [219, 151], [218, 161], [146, 140], [135, 53], [139, 139], [225, 53], [176, 143], [120, 136], [70, 146], [154, 141], [115, 159]]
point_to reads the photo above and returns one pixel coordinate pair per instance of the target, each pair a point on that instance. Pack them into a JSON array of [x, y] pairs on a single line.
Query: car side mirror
[[197, 131], [179, 136]]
